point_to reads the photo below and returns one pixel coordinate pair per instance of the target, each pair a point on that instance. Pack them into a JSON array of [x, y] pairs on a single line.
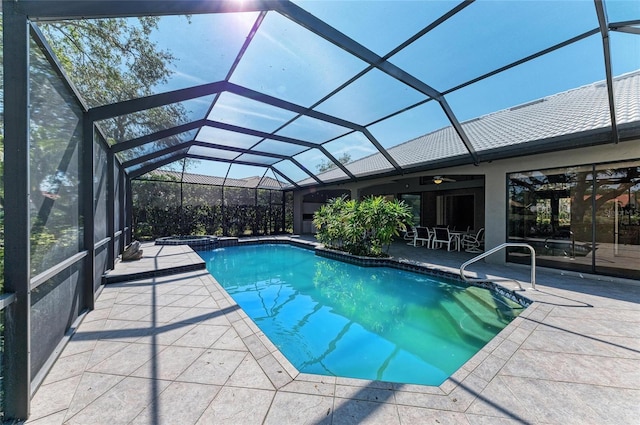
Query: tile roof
[[568, 113], [572, 112], [249, 182]]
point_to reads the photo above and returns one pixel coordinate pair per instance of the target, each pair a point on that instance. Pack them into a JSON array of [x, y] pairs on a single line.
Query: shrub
[[361, 228]]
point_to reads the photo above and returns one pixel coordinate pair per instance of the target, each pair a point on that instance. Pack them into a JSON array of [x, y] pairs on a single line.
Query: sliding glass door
[[617, 220], [584, 218], [413, 200]]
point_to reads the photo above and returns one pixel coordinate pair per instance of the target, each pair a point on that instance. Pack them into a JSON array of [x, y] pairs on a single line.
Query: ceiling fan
[[440, 179]]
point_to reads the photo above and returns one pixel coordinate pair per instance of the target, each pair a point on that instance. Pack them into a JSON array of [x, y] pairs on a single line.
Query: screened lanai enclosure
[[135, 119], [170, 203]]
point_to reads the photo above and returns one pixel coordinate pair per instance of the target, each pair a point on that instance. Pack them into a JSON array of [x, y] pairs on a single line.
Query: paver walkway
[[178, 350]]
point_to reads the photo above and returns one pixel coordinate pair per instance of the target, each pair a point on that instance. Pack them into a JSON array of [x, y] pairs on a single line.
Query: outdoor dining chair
[[444, 237], [409, 235], [473, 243], [422, 235]]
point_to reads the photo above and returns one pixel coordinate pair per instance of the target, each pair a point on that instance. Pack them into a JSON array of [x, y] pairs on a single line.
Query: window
[[414, 201], [579, 218]]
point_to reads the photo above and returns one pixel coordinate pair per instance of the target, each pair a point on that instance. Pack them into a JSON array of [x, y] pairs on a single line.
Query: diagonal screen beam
[[139, 141], [154, 101], [264, 135], [276, 171], [606, 49], [153, 155], [300, 16], [283, 104], [148, 168], [324, 30], [458, 128]]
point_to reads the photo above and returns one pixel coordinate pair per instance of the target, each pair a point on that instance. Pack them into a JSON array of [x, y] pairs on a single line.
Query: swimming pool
[[332, 318]]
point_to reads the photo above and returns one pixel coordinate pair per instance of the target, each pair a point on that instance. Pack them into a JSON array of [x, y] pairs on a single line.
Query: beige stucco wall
[[495, 173]]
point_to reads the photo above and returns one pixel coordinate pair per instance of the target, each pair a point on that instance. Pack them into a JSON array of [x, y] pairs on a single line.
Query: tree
[[330, 165], [112, 60]]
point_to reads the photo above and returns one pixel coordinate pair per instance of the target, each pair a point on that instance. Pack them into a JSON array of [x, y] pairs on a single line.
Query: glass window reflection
[[617, 219], [551, 210], [578, 219]]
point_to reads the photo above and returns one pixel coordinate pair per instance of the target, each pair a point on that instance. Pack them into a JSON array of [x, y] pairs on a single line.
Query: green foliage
[[167, 208], [41, 243], [152, 222], [112, 60], [330, 165], [361, 228]]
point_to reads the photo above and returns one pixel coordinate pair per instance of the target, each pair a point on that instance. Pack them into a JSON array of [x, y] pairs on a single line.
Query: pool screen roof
[[315, 92]]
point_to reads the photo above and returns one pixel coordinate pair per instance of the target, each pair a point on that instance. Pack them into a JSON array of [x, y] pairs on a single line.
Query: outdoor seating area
[[439, 237]]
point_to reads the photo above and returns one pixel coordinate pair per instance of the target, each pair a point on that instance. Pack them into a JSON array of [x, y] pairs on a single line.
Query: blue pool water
[[332, 318]]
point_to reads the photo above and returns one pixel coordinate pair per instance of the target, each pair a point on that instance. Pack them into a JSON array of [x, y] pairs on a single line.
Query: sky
[[289, 62]]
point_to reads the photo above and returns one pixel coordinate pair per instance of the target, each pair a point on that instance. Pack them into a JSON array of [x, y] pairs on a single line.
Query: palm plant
[[361, 228]]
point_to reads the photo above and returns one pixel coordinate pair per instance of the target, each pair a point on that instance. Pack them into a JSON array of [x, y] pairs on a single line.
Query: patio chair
[[422, 235], [473, 243], [409, 234], [444, 237]]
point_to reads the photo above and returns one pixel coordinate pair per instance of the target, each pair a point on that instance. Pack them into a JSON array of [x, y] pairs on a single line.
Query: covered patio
[[178, 349]]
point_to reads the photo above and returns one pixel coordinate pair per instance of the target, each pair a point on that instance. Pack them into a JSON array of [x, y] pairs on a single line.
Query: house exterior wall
[[495, 172], [496, 181]]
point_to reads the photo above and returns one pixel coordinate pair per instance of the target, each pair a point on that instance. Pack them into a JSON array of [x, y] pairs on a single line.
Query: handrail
[[496, 249], [39, 279], [6, 299]]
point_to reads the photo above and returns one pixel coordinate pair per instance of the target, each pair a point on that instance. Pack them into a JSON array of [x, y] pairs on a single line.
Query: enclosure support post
[[284, 211], [122, 190], [255, 208], [128, 212], [223, 219], [17, 273], [111, 209], [87, 201]]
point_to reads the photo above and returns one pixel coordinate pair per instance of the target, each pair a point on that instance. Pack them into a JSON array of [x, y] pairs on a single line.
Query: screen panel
[[56, 139]]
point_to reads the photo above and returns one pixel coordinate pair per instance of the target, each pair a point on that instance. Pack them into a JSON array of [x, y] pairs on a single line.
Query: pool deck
[[176, 349]]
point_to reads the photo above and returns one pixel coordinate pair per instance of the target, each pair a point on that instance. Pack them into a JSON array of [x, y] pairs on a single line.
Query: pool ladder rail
[[494, 250]]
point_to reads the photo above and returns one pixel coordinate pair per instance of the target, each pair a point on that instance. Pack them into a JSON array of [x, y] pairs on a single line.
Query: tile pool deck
[[176, 349]]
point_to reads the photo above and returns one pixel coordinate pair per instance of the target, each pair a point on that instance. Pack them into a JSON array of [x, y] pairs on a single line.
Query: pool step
[[477, 314], [506, 308], [470, 326]]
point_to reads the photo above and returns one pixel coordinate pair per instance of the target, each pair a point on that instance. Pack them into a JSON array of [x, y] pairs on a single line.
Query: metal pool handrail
[[496, 249]]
